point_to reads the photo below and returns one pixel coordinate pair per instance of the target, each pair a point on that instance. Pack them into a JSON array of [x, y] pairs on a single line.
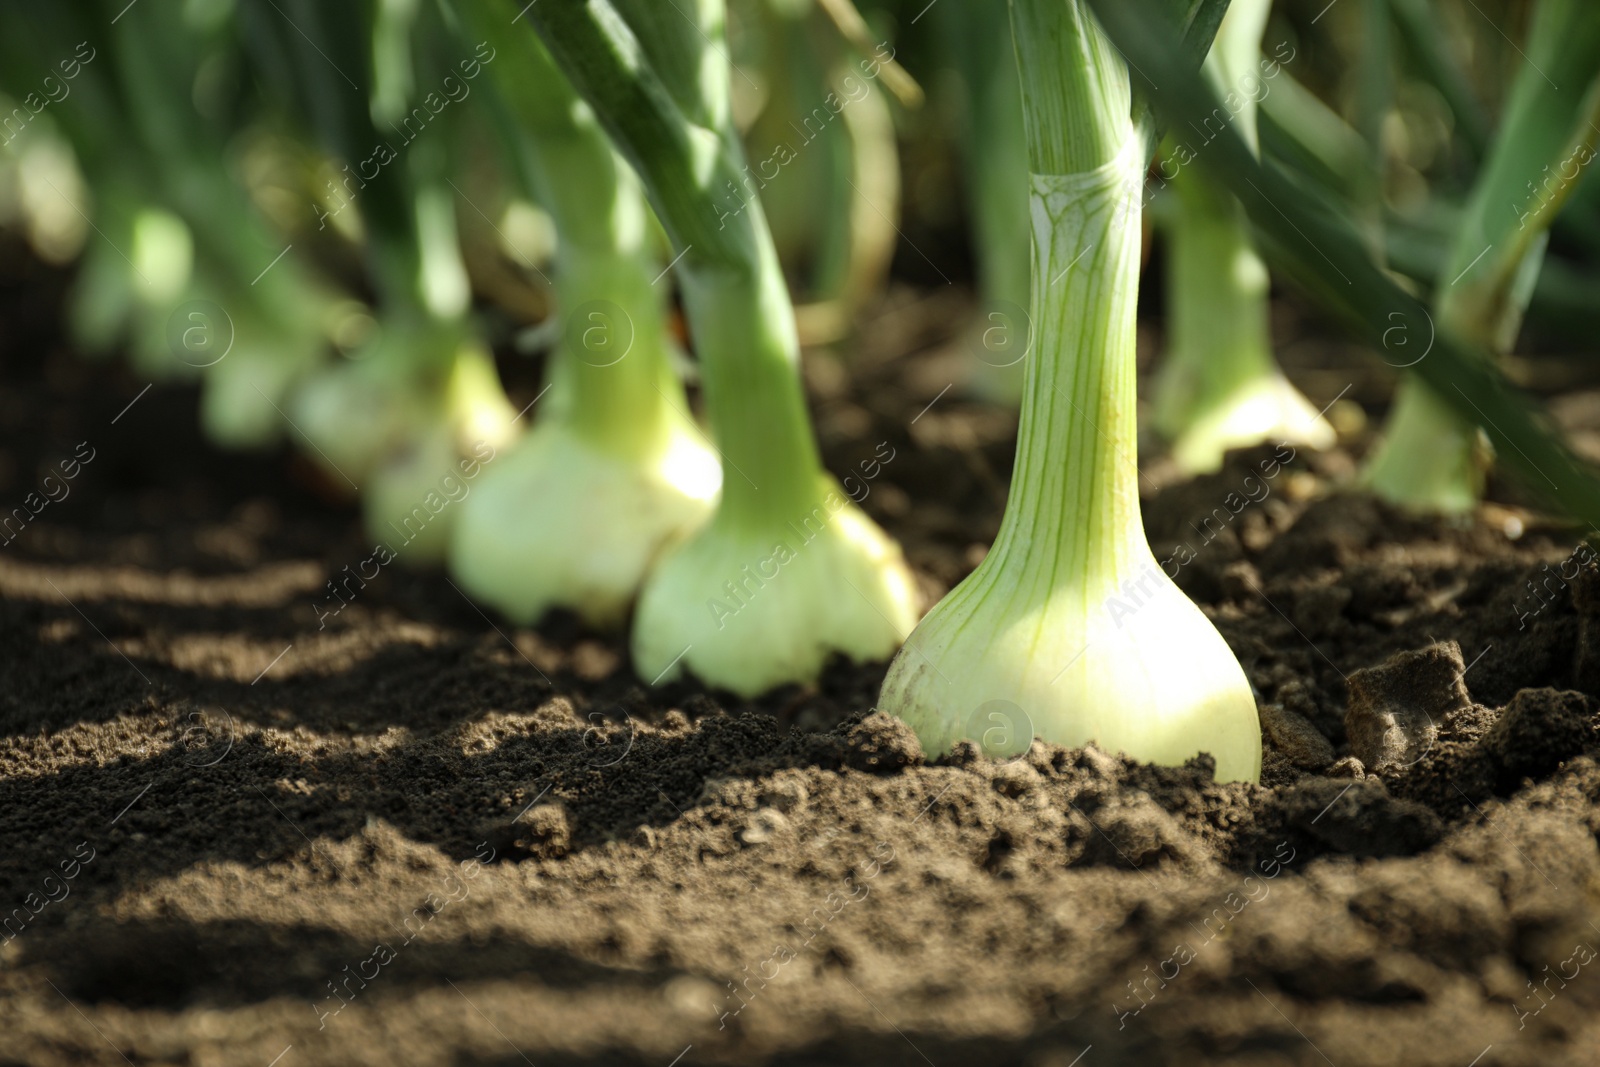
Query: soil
[[414, 834]]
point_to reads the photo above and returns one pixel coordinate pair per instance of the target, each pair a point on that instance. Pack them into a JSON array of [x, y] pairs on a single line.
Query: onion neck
[[1072, 520], [745, 338], [612, 358], [1075, 488]]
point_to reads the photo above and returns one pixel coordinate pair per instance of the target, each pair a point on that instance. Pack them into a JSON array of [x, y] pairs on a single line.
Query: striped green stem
[[1068, 629]]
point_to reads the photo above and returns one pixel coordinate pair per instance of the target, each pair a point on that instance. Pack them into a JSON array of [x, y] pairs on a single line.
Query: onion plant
[[822, 156], [421, 404], [1069, 618], [788, 570], [1320, 249], [419, 400], [1220, 387], [995, 163], [272, 322], [1430, 457], [125, 297], [1335, 166], [614, 469], [173, 227]]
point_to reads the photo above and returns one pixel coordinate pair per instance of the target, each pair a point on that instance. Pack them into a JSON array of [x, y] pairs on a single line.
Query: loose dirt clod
[[763, 826], [544, 830], [1537, 731], [1396, 709], [1348, 767], [1356, 817], [1293, 735]]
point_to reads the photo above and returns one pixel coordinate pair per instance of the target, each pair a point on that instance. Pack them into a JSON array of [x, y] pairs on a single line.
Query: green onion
[[788, 570], [581, 507], [1430, 458], [105, 291], [1220, 387], [996, 165], [254, 331], [162, 254], [822, 154], [176, 266], [421, 403], [1324, 252], [1069, 618]]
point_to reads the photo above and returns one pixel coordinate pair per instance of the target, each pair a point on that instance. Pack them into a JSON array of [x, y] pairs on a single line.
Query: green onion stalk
[[29, 167], [419, 410], [1325, 153], [1331, 159], [995, 155], [105, 291], [579, 509], [1068, 627], [822, 154], [788, 570], [172, 227], [273, 322], [1220, 388], [803, 192], [138, 264], [1431, 458], [137, 267], [445, 415], [103, 299]]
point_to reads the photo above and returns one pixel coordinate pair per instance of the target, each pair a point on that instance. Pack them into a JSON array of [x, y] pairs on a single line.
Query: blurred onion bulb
[[580, 509]]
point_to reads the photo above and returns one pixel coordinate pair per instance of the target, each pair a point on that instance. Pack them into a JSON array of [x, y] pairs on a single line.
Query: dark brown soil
[[421, 836]]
